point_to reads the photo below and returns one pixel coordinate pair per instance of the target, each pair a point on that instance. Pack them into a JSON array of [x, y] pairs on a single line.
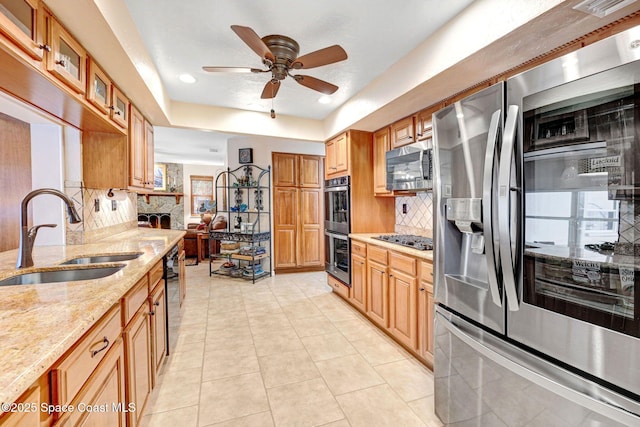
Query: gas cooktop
[[411, 241]]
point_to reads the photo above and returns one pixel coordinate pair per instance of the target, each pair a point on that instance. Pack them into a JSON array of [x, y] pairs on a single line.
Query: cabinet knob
[[60, 62], [45, 47], [421, 289], [391, 275], [152, 313], [157, 303]]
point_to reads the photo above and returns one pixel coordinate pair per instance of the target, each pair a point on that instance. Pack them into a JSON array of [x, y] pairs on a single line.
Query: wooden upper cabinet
[[310, 171], [67, 59], [149, 154], [137, 171], [381, 144], [119, 110], [297, 170], [99, 88], [22, 21], [337, 156], [402, 132], [285, 170], [424, 125]]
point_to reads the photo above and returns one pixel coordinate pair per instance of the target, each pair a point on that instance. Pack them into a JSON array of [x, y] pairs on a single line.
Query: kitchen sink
[[103, 258], [62, 275]]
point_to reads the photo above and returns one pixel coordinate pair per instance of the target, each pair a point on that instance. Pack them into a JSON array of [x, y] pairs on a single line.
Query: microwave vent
[[602, 8]]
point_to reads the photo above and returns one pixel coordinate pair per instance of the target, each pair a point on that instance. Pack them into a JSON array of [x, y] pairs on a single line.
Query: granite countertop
[[39, 323], [369, 238]]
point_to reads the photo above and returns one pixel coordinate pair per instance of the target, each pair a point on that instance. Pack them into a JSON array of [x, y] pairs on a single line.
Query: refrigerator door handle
[[491, 248], [504, 208]]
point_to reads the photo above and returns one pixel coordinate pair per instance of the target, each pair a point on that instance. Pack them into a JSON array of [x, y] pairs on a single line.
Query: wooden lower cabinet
[[29, 416], [101, 402], [403, 308], [358, 297], [158, 328], [139, 378], [298, 229], [403, 299], [338, 287], [395, 291], [426, 312], [378, 293]]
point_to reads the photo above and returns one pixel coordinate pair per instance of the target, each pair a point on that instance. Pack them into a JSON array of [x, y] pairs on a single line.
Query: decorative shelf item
[[246, 242]]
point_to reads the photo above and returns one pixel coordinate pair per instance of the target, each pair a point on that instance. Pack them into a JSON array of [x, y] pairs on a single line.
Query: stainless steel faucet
[[28, 235]]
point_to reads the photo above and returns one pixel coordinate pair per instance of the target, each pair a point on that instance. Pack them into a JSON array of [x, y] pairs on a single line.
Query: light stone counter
[[369, 238], [39, 323]]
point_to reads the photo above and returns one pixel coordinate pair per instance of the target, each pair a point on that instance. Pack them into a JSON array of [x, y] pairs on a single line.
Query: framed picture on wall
[[160, 176], [245, 155]]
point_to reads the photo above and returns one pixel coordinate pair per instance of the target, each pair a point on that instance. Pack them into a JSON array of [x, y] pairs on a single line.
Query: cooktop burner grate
[[416, 242]]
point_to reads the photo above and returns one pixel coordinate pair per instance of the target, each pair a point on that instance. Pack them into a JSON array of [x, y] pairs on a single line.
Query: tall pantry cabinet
[[298, 204]]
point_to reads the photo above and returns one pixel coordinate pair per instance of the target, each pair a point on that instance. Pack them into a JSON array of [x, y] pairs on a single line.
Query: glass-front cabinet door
[[582, 201], [22, 21], [119, 108], [67, 60], [99, 88]]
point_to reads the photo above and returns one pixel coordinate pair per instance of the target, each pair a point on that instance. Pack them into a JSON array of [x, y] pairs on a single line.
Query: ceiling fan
[[280, 55]]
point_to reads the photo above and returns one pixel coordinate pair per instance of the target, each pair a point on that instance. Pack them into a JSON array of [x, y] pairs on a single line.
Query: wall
[[167, 204], [419, 217], [47, 172], [263, 147]]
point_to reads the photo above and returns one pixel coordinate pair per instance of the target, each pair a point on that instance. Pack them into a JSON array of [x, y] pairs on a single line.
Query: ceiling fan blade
[[325, 56], [233, 70], [270, 89], [316, 84], [253, 41]]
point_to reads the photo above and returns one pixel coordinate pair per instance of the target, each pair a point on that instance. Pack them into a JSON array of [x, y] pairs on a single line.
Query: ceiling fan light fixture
[[326, 99], [187, 78]]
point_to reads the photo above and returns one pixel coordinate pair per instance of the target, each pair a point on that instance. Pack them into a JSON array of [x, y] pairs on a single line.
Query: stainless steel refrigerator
[[537, 242]]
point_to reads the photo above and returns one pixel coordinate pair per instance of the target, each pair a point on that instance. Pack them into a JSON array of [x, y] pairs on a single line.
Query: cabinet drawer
[[426, 276], [155, 275], [377, 254], [338, 287], [26, 412], [403, 263], [132, 301], [359, 248], [68, 376]]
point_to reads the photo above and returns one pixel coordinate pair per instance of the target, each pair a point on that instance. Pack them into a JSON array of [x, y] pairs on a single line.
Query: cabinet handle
[[60, 62], [333, 167], [105, 340], [45, 47]]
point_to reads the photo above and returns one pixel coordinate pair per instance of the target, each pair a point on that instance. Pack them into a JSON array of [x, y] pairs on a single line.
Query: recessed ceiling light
[[324, 99], [187, 78]]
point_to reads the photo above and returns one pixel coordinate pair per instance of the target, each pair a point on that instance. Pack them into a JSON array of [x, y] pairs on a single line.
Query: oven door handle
[[335, 189], [336, 235]]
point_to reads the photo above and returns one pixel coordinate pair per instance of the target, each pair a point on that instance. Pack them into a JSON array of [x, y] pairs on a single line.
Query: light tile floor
[[284, 351]]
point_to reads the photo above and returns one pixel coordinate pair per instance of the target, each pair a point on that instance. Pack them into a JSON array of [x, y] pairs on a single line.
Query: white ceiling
[[181, 37]]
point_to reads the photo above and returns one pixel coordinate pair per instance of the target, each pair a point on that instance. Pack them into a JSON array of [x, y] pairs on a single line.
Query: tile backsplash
[[98, 224], [419, 217]]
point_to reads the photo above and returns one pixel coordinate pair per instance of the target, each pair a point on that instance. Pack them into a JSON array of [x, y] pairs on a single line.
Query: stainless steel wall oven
[[337, 196]]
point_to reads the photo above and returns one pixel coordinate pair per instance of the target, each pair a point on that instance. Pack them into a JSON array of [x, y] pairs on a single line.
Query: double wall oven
[[337, 226]]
